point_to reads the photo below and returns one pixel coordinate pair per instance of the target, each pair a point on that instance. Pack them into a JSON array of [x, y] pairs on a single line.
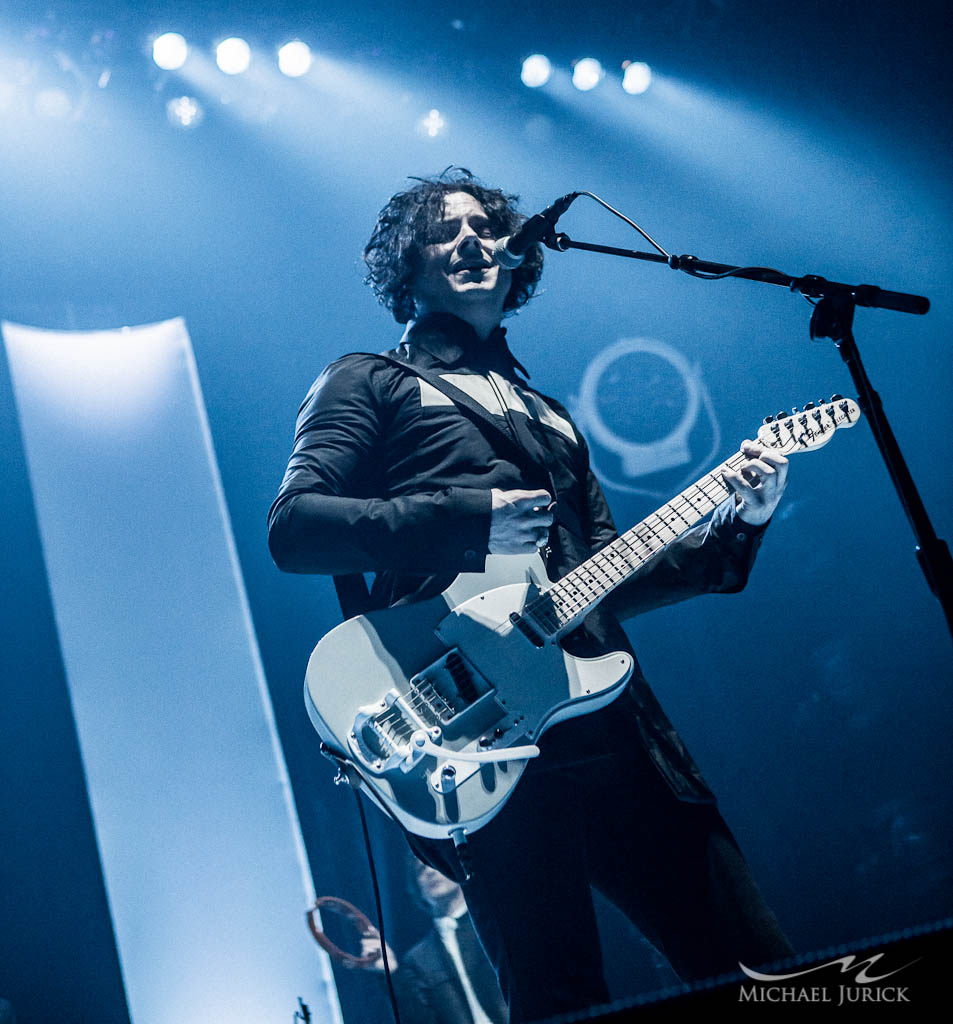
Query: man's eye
[[441, 233]]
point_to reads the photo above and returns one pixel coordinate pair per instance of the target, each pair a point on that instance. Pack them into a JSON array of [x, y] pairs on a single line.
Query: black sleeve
[[714, 557], [332, 514]]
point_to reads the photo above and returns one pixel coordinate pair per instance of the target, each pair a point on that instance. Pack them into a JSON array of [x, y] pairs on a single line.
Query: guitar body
[[436, 704]]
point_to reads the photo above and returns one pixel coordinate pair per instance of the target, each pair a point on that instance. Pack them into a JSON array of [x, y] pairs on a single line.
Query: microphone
[[510, 251]]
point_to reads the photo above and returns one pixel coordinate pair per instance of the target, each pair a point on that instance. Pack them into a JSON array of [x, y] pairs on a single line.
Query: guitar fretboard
[[566, 602]]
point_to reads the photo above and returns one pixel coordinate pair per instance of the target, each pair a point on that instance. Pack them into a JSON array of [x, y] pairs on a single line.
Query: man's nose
[[469, 240]]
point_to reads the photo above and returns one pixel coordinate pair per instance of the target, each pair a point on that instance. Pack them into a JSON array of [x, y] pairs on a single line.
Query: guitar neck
[[561, 607]]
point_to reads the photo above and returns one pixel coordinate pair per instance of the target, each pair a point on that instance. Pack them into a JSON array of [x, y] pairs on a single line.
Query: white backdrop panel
[[200, 845]]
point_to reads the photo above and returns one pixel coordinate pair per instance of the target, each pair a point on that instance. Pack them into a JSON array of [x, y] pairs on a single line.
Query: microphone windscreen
[[504, 257]]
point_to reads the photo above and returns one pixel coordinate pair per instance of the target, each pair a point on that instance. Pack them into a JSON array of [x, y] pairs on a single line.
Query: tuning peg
[[768, 419], [795, 411], [810, 405], [836, 398], [782, 415]]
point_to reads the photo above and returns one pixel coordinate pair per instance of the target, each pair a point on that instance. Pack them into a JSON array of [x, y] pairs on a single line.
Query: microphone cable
[[682, 263], [377, 904]]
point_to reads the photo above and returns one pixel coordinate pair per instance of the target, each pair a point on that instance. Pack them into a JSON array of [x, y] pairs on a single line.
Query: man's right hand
[[519, 521]]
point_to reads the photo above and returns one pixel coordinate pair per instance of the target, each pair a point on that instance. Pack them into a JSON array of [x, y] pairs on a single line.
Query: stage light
[[636, 77], [586, 74], [184, 111], [536, 71], [294, 59], [233, 55], [433, 124], [170, 50]]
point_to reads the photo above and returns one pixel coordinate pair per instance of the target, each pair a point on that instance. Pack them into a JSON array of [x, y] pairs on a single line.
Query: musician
[[445, 978], [391, 475]]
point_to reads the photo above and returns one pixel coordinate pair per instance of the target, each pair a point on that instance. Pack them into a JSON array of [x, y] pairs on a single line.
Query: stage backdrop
[[200, 844]]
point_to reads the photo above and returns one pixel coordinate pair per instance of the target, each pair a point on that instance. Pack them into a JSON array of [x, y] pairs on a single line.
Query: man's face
[[457, 273], [438, 890]]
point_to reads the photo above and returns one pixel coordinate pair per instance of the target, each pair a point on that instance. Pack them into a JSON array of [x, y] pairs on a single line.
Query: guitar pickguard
[[455, 670]]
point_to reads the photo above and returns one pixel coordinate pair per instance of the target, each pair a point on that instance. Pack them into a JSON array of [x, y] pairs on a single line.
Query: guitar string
[[425, 701], [613, 564], [419, 699], [587, 576], [578, 589]]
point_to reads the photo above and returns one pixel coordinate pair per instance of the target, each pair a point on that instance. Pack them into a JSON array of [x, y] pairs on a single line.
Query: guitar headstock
[[810, 427]]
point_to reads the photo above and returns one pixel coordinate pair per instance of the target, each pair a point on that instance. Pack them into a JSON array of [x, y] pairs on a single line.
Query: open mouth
[[473, 267]]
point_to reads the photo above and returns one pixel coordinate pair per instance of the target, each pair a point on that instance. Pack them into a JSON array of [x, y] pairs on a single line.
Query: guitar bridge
[[450, 700]]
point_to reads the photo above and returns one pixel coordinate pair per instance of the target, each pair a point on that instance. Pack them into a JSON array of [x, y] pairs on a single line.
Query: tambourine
[[362, 926]]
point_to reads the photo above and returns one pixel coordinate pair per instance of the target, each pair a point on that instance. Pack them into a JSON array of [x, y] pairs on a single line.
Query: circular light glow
[[233, 55], [294, 59], [170, 50], [433, 124], [636, 78], [184, 111], [536, 71], [53, 103], [587, 74]]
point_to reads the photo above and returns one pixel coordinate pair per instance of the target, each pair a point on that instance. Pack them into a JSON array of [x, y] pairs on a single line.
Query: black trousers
[[613, 823]]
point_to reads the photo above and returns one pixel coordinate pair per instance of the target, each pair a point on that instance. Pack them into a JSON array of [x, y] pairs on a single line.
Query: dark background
[[813, 138]]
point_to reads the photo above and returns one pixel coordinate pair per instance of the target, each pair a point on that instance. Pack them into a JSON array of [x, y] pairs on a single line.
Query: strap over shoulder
[[353, 595], [524, 446]]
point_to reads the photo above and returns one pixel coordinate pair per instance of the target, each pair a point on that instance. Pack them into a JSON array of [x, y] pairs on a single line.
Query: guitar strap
[[353, 595], [525, 447]]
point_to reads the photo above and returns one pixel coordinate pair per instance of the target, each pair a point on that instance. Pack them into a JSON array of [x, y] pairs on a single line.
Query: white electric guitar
[[437, 706]]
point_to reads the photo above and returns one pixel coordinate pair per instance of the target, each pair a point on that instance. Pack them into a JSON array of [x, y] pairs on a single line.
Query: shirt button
[[741, 536], [469, 553]]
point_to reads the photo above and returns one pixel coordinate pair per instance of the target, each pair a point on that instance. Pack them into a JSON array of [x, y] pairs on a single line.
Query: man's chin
[[476, 287]]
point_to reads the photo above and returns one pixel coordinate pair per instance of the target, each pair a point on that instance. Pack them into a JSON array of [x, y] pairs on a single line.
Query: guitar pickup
[[454, 696], [526, 629], [450, 698]]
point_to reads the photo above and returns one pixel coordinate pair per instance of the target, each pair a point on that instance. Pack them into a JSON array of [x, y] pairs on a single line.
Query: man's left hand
[[759, 482]]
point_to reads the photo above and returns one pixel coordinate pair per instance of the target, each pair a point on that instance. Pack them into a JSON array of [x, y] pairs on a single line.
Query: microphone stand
[[833, 318]]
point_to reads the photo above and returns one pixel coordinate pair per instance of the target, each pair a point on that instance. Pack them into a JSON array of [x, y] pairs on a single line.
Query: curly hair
[[406, 223]]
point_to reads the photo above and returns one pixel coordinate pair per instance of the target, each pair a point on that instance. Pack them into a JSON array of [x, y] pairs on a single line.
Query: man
[[445, 978], [391, 475]]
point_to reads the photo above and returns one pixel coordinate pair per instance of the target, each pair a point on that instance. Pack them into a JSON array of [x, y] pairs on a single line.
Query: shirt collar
[[454, 343], [451, 921]]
